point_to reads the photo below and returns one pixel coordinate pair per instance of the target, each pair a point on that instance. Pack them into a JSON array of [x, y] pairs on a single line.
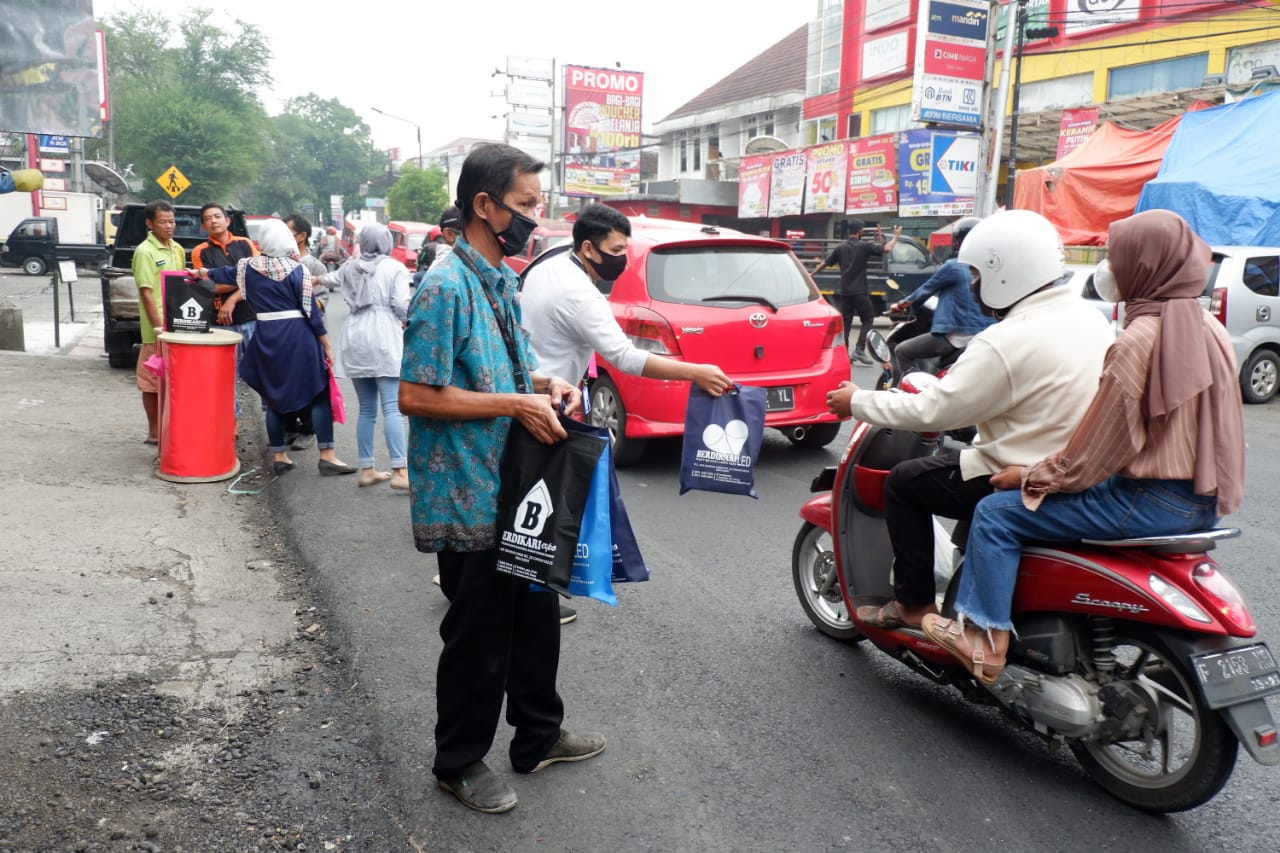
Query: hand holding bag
[[722, 437], [336, 402], [627, 564]]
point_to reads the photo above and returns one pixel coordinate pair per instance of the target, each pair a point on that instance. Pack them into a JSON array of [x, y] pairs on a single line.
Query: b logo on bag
[[534, 510], [724, 443]]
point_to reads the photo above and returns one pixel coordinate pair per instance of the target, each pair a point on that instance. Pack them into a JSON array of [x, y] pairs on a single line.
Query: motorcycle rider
[[957, 317], [1024, 381], [1159, 451]]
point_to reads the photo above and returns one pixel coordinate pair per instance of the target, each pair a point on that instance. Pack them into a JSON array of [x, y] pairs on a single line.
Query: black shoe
[[477, 788], [332, 469], [281, 467], [571, 747], [567, 614]]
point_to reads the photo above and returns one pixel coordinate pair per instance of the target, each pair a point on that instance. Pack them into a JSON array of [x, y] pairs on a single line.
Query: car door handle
[[1264, 314]]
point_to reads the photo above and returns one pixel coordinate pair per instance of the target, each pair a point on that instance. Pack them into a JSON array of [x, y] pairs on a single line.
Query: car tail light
[[1218, 304], [834, 329], [649, 331], [1224, 598]]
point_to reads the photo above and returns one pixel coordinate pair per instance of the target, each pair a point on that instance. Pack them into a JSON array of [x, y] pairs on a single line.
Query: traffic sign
[[173, 182]]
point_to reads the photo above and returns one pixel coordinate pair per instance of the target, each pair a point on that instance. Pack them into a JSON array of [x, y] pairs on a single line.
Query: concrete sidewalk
[[107, 570]]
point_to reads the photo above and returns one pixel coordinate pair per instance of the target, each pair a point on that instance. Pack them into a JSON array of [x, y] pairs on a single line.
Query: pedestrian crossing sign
[[173, 182]]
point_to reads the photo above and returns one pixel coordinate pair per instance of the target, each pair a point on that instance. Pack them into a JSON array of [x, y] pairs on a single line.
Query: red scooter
[[1138, 654]]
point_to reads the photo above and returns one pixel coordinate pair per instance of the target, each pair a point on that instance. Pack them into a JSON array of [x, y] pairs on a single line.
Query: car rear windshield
[[705, 275]]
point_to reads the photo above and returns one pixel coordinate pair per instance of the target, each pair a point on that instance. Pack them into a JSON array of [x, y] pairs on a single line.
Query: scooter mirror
[[878, 346]]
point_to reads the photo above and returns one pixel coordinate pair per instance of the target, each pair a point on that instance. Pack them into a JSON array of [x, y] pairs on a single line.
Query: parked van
[[407, 238]]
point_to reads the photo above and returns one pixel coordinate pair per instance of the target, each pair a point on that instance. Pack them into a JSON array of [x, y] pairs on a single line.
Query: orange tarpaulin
[[1097, 183]]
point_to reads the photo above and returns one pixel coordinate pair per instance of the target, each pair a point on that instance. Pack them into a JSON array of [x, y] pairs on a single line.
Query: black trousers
[[928, 345], [914, 492], [859, 304], [501, 638]]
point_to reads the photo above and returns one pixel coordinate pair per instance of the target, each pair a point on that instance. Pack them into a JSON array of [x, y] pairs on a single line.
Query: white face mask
[[1104, 282]]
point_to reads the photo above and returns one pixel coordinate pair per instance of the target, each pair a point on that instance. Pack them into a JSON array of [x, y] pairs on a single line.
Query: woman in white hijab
[[287, 359], [375, 287]]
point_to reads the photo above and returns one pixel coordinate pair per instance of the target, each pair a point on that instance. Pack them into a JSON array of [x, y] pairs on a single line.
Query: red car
[[745, 303], [548, 234]]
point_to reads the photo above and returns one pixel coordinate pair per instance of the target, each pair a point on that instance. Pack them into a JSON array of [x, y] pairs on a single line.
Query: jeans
[[1117, 508], [369, 390], [321, 417], [245, 330]]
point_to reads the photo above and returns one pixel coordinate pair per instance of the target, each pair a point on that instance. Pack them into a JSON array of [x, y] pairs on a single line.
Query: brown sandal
[[948, 633], [888, 616]]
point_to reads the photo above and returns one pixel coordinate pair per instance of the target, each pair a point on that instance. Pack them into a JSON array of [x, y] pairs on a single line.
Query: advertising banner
[[917, 195], [873, 181], [950, 62], [827, 167], [753, 186], [602, 109], [1077, 126], [786, 184], [953, 165], [49, 69], [1087, 14]]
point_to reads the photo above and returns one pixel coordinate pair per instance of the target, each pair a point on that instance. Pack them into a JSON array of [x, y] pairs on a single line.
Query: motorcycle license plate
[[779, 399], [1238, 675]]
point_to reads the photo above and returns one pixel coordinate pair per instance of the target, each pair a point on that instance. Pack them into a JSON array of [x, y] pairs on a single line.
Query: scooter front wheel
[[813, 570]]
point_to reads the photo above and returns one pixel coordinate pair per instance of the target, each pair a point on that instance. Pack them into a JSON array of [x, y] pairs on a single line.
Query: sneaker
[[436, 580], [477, 788], [861, 357], [567, 614], [572, 747]]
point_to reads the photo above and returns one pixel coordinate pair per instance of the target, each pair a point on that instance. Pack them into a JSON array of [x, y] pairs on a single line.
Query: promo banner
[[1077, 126], [753, 187], [873, 180], [786, 185], [602, 109], [916, 175], [827, 167]]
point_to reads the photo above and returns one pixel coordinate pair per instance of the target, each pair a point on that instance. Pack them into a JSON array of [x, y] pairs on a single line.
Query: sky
[[432, 63]]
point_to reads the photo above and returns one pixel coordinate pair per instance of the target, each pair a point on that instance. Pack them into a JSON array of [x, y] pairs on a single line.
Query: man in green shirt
[[159, 252]]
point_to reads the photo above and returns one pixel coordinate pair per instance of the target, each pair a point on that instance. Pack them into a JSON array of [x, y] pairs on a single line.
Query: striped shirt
[[1115, 436]]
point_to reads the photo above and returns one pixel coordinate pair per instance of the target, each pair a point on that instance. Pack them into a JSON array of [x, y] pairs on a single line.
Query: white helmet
[[1016, 252]]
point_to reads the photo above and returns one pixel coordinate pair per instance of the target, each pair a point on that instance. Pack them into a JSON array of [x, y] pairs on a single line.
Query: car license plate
[[1237, 675], [779, 399]]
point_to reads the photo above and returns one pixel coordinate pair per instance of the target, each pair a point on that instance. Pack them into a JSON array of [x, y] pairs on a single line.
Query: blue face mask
[[513, 238]]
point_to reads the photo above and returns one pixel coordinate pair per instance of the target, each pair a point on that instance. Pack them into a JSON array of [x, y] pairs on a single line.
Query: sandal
[[948, 633], [889, 616]]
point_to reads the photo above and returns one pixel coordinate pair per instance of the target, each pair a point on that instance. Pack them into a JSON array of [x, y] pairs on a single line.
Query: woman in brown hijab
[[1160, 450]]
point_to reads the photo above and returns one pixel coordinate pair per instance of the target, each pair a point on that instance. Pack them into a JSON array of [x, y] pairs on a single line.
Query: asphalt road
[[733, 724]]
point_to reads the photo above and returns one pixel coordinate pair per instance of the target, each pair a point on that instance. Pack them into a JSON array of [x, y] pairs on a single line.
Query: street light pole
[[416, 127]]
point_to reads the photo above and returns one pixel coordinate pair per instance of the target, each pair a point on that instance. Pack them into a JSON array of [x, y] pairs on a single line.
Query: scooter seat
[[1180, 543]]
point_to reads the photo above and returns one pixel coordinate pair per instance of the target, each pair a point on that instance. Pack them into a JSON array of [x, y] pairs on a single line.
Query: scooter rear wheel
[[813, 570], [1185, 752]]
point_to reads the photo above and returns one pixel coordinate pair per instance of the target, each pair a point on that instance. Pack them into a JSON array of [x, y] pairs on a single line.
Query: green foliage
[[192, 102], [419, 195]]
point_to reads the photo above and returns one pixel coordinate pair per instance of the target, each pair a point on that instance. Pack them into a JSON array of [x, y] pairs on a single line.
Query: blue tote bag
[[722, 437], [627, 564]]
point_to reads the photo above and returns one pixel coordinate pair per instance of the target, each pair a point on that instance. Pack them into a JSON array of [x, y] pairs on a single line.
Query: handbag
[[592, 572], [336, 402], [542, 494], [627, 564], [722, 437]]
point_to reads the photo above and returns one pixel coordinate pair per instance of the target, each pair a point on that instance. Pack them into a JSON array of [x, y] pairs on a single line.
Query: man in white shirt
[[568, 318], [1026, 382]]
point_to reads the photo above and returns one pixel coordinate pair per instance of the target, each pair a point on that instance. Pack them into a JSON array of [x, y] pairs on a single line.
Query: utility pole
[[1002, 95], [1011, 174], [982, 202]]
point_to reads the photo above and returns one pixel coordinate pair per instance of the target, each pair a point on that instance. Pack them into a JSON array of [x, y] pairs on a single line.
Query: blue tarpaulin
[[1219, 173]]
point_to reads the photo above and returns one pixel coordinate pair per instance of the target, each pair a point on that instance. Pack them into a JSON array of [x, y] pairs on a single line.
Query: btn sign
[[173, 182]]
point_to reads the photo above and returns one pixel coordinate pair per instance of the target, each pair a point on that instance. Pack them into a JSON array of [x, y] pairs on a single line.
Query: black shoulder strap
[[504, 324]]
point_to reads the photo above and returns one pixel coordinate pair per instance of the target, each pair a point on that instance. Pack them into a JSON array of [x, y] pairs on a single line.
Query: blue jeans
[[1117, 508], [370, 391], [321, 419]]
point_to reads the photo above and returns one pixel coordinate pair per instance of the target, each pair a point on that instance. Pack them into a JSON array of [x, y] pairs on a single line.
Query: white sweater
[[568, 319], [1025, 381]]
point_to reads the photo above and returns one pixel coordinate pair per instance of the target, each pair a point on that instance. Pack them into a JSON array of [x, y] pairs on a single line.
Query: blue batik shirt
[[453, 339]]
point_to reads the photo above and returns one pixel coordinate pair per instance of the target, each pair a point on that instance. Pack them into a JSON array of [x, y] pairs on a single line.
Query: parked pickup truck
[[122, 333], [34, 241], [889, 279]]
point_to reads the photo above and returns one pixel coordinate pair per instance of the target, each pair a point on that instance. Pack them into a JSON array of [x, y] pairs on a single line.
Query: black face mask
[[609, 267], [512, 239]]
